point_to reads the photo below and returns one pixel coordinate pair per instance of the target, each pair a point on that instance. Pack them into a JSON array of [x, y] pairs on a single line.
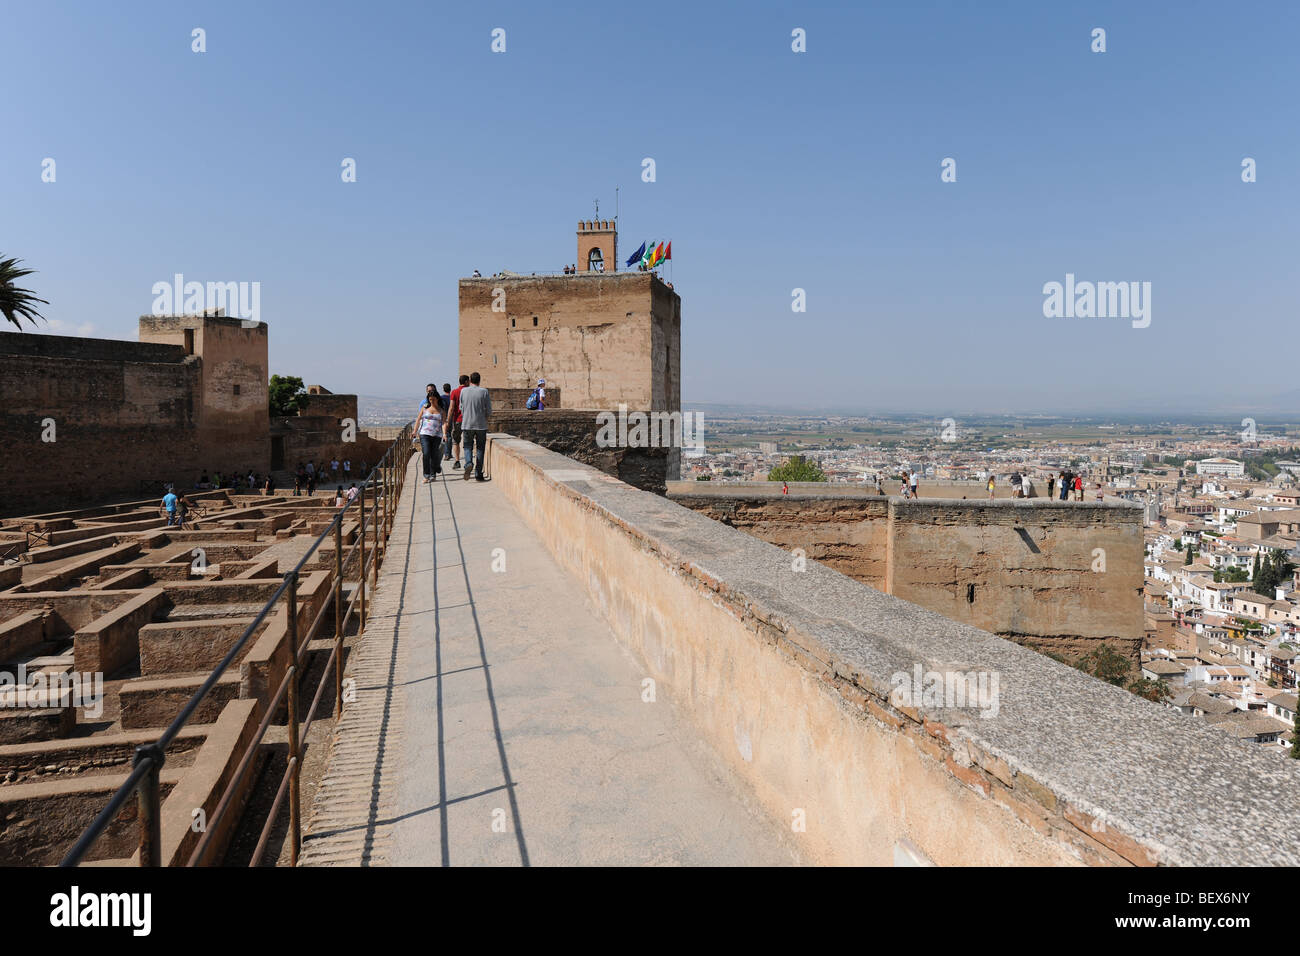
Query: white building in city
[[1221, 466]]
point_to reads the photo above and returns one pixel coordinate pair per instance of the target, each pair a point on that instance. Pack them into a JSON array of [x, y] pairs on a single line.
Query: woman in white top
[[428, 426]]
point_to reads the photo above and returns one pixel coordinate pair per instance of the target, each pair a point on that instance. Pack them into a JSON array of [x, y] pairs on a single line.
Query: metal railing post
[[338, 577], [295, 757], [150, 798], [374, 551], [361, 565], [295, 822]]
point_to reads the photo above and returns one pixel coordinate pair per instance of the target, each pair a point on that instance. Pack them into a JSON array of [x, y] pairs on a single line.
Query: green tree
[[797, 468], [286, 395], [17, 304], [1295, 732], [1188, 559], [1106, 664], [1273, 570], [1254, 571], [1153, 690]]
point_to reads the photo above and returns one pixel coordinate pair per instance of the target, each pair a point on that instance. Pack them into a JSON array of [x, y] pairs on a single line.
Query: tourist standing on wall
[[475, 408], [428, 427], [990, 486], [1078, 487], [1051, 486], [916, 478]]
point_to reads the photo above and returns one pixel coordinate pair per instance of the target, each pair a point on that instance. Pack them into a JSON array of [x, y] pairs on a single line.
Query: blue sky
[[775, 171]]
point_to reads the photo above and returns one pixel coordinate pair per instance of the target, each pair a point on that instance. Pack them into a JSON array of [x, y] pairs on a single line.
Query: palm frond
[[17, 304]]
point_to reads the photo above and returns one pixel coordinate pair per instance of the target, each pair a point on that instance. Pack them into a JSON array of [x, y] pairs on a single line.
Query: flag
[[668, 253], [636, 255], [658, 256], [649, 252]]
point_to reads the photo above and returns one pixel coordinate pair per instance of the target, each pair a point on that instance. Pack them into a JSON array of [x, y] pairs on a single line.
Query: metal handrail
[[149, 758]]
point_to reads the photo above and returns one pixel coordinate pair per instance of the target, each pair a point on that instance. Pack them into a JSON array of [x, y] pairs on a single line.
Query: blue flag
[[636, 256]]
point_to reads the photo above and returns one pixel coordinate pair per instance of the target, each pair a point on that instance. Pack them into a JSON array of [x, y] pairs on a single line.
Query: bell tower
[[598, 245]]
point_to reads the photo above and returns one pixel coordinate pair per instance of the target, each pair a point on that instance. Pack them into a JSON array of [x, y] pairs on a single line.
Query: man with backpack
[[537, 400]]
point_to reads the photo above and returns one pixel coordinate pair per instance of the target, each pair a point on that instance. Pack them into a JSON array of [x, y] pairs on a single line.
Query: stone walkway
[[498, 721]]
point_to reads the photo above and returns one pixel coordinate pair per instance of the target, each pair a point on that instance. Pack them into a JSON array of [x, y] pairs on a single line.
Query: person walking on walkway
[[454, 415], [916, 478], [446, 421], [169, 505], [990, 486], [476, 408], [428, 426]]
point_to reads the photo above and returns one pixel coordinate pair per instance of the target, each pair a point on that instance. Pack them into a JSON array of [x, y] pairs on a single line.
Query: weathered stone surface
[[604, 338], [1060, 577], [573, 433]]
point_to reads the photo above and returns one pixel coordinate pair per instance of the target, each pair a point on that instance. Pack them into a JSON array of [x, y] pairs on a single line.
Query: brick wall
[[122, 413]]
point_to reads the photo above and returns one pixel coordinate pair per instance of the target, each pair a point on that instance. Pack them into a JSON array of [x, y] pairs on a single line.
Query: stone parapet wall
[[790, 678]]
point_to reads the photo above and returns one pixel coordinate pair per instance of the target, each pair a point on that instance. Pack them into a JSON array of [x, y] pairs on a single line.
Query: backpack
[[533, 402]]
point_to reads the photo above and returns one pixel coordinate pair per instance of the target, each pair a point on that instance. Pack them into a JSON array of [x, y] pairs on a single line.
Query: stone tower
[[597, 246]]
